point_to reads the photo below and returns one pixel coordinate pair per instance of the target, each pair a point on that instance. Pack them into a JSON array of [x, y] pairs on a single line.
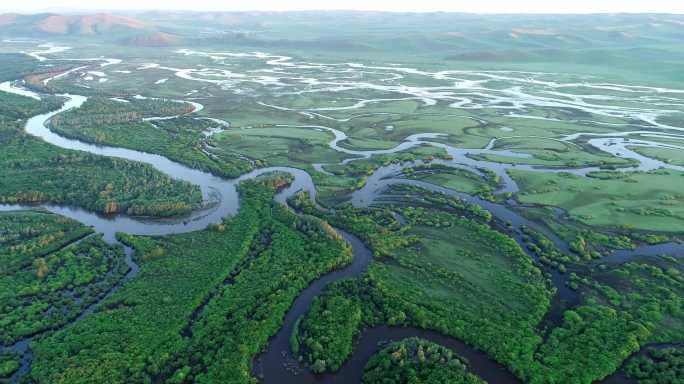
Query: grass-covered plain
[[552, 153], [298, 147], [671, 156], [643, 201], [455, 179]]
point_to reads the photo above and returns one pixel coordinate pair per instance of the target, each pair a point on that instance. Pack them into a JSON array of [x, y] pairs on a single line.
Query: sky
[[476, 6]]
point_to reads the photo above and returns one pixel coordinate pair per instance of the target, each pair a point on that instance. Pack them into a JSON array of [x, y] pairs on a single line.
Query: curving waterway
[[221, 199]]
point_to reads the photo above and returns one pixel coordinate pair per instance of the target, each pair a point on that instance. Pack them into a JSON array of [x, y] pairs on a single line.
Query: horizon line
[[114, 10]]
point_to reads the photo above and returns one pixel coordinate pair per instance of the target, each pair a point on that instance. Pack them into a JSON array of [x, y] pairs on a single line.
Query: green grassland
[[670, 156], [453, 178], [298, 147], [643, 201], [552, 153]]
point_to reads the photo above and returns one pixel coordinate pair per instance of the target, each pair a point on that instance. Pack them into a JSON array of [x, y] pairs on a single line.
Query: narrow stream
[[221, 200]]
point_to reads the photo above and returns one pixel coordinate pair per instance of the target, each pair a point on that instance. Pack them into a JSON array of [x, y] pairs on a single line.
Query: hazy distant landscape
[[341, 197]]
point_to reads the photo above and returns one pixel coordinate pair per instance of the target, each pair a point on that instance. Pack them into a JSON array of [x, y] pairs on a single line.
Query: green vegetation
[[26, 235], [15, 65], [642, 201], [417, 361], [455, 179], [344, 178], [431, 275], [623, 309], [596, 337], [279, 145], [652, 292], [56, 288], [584, 247], [551, 153], [658, 366], [328, 332], [103, 121], [32, 171], [545, 250], [444, 272], [670, 156], [44, 281], [586, 242], [203, 303], [102, 111], [9, 363]]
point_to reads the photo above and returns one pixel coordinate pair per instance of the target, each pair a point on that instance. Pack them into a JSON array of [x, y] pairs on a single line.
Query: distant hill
[[151, 39], [49, 24]]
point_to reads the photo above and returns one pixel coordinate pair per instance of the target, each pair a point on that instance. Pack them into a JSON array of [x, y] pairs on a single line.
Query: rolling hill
[[49, 24]]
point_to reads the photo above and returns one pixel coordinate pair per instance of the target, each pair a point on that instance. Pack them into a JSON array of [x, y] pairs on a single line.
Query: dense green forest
[[623, 308], [9, 363], [26, 235], [658, 365], [417, 361], [32, 171], [104, 121], [203, 303], [56, 288], [46, 280]]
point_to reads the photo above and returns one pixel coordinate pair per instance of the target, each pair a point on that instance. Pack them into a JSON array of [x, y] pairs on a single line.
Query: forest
[[43, 270], [417, 361], [658, 365], [32, 171], [133, 125], [220, 310], [52, 290], [15, 65]]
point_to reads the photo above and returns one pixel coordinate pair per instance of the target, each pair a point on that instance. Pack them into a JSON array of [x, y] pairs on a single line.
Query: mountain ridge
[[54, 24]]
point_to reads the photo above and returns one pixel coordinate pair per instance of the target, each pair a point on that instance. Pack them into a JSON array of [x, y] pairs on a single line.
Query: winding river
[[221, 200]]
